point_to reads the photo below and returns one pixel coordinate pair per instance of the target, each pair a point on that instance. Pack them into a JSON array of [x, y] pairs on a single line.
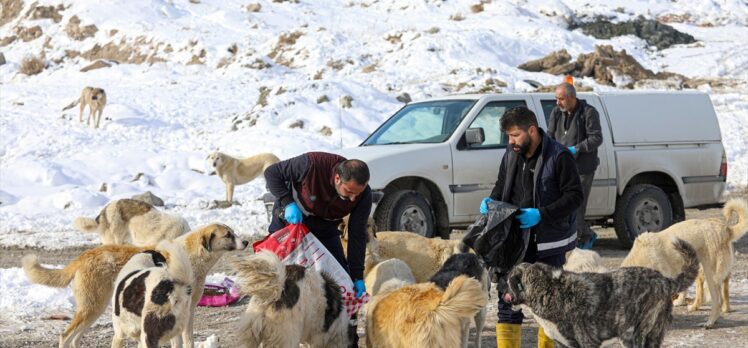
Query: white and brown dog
[[95, 99], [234, 171], [289, 305], [153, 296], [94, 271], [130, 221]]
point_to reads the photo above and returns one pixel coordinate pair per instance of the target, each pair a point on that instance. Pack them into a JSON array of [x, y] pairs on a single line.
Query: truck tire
[[641, 208], [405, 210]]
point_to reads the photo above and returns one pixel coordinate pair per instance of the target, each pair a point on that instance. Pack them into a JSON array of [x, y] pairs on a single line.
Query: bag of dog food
[[295, 245], [219, 295]]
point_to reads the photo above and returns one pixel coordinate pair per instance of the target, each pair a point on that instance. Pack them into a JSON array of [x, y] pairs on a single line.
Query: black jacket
[[557, 193], [583, 132], [308, 180]]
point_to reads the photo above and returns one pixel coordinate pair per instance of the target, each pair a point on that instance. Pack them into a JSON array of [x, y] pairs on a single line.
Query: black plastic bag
[[492, 239]]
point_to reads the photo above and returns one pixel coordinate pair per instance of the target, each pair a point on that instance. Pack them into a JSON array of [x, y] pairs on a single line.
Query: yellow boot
[[508, 335], [543, 340]]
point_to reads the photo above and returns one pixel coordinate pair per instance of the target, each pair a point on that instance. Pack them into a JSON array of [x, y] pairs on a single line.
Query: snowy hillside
[[285, 77]]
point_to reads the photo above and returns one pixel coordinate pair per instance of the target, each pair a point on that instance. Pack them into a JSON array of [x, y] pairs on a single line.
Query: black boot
[[352, 336]]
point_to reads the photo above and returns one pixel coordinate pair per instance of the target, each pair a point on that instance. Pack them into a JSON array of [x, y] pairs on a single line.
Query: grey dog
[[633, 304]]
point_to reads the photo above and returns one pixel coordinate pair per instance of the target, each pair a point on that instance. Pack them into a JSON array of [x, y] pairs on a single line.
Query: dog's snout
[[244, 244]]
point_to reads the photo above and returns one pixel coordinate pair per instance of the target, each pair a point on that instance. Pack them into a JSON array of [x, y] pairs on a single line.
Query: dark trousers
[[506, 314], [584, 232], [328, 234]]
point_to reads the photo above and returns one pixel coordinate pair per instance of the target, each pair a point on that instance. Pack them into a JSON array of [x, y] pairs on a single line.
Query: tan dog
[[712, 239], [152, 299], [130, 221], [422, 315], [233, 171], [94, 271], [289, 305], [95, 99], [423, 255], [578, 260]]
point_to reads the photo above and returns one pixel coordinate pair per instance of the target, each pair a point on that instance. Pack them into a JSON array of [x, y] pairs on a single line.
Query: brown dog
[[95, 99], [93, 273]]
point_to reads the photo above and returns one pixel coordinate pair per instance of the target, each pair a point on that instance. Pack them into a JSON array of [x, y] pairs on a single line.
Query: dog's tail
[[739, 207], [177, 261], [38, 274], [71, 105], [261, 276], [690, 267], [462, 298], [85, 224]]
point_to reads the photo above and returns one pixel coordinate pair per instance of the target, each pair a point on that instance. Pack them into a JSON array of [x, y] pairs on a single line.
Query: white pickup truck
[[433, 161]]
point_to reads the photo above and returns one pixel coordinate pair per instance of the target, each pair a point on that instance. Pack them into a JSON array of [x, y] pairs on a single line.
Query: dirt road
[[730, 331]]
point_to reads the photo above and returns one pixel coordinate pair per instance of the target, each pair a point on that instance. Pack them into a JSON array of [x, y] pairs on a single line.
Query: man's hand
[[484, 205], [573, 150], [360, 288], [292, 213], [528, 217]]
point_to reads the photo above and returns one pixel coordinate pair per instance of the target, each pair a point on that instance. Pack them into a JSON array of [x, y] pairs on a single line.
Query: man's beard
[[523, 148]]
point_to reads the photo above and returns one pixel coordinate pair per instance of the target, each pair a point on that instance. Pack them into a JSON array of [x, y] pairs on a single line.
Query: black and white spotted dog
[[289, 305], [631, 304], [152, 297]]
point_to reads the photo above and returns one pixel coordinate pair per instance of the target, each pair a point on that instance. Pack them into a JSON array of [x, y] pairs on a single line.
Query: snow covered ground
[[163, 119]]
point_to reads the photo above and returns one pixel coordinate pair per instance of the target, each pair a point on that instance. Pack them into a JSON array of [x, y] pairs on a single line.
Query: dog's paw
[[692, 308], [708, 325]]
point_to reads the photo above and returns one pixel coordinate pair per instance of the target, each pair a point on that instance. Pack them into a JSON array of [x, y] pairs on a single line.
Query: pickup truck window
[[429, 122], [489, 118], [548, 106]]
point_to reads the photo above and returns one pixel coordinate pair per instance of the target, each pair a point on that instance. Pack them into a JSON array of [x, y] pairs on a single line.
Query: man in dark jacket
[[319, 189], [539, 176], [576, 124]]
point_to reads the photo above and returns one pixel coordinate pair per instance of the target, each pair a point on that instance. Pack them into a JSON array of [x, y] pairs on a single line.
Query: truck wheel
[[405, 210], [642, 208]]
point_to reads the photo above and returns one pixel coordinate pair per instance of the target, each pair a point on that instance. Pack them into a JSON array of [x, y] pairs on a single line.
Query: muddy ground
[[730, 331]]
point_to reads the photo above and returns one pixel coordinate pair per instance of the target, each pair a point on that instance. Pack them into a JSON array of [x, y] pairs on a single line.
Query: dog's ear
[[208, 241]]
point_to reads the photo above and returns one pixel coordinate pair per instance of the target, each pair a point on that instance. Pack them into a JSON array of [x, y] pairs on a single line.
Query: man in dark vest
[[539, 176], [319, 189], [576, 125]]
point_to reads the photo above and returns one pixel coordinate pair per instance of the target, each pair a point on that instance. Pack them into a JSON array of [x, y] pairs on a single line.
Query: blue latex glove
[[360, 288], [573, 150], [292, 213], [484, 205], [528, 217]]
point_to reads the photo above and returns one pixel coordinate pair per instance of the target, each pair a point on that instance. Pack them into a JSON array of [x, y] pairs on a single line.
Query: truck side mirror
[[474, 136]]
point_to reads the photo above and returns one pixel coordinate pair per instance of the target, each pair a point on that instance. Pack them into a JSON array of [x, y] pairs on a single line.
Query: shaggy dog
[[469, 265], [632, 304], [152, 298], [133, 222], [94, 271], [712, 239], [289, 305], [95, 99], [387, 276], [422, 315], [578, 260], [234, 171]]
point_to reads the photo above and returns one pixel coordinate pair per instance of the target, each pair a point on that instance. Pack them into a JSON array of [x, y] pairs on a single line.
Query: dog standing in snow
[[95, 99]]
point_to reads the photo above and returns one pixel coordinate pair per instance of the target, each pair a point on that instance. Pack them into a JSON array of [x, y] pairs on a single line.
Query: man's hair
[[569, 90], [353, 169], [520, 116]]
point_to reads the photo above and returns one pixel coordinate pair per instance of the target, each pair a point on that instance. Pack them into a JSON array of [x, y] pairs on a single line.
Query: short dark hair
[[519, 116], [353, 169]]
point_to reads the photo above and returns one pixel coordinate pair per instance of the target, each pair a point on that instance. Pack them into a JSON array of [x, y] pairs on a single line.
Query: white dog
[[289, 305], [152, 297], [233, 171], [133, 221]]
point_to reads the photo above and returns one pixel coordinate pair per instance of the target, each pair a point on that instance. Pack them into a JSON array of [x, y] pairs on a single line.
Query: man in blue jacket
[[319, 189], [540, 176]]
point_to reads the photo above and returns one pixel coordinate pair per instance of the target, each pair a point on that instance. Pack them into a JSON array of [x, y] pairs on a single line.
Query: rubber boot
[[508, 335], [543, 340]]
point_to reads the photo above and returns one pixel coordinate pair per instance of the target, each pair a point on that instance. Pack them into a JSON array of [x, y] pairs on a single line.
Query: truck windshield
[[428, 122]]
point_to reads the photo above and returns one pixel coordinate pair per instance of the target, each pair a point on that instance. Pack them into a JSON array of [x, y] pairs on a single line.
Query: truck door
[[477, 166], [601, 201]]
